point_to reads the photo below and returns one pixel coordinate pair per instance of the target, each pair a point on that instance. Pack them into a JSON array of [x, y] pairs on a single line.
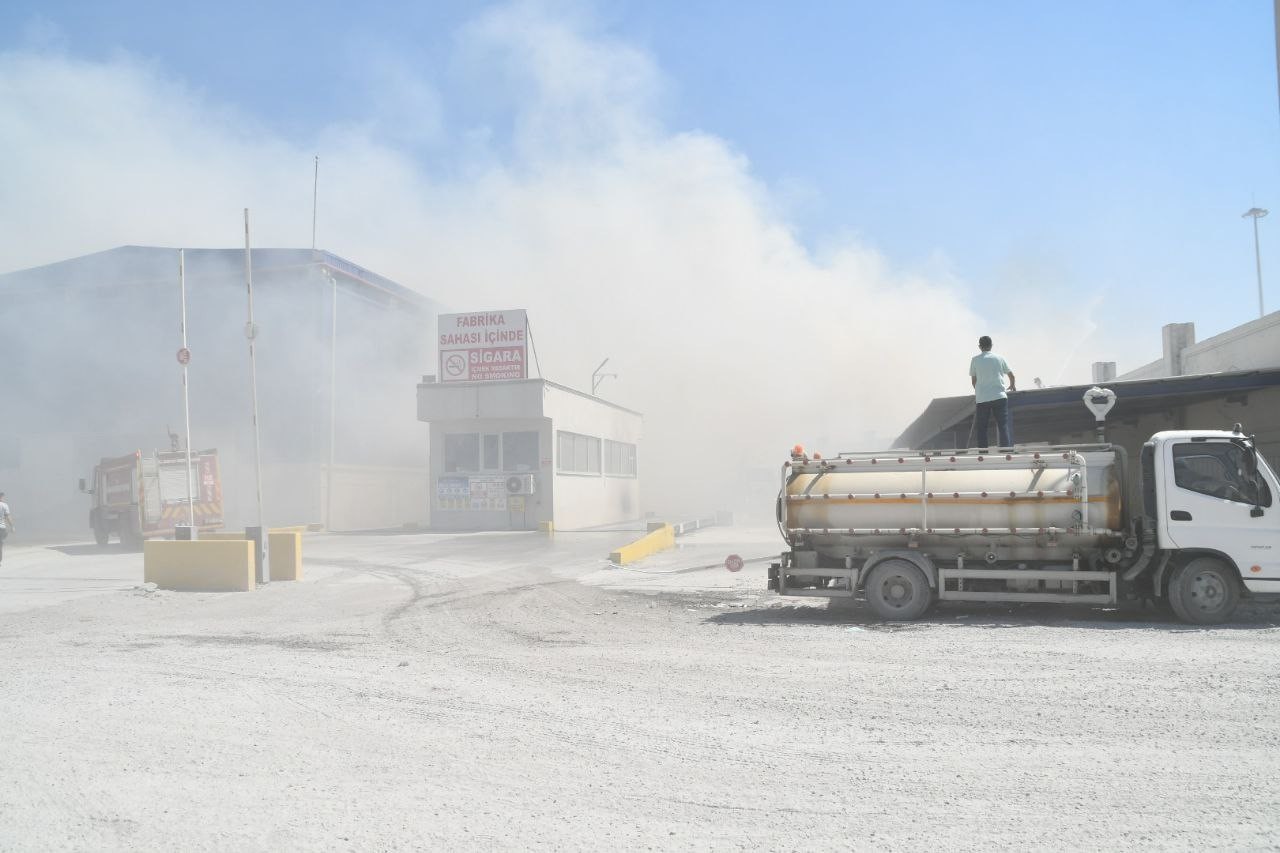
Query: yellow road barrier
[[546, 527], [216, 566], [284, 555], [659, 539], [284, 550]]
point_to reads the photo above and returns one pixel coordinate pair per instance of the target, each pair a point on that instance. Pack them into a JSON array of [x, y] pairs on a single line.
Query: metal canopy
[[1041, 411]]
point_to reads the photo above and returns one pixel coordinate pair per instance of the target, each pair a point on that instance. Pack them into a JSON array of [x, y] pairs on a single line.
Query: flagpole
[[251, 332], [186, 397]]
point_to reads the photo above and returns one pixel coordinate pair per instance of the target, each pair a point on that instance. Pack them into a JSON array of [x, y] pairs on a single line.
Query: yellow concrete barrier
[[284, 550], [284, 555], [656, 540], [546, 527], [210, 565]]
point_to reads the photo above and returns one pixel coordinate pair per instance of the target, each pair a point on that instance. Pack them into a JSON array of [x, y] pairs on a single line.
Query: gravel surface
[[513, 692]]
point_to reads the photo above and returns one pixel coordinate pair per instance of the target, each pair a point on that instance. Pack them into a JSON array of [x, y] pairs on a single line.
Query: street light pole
[[1257, 213]]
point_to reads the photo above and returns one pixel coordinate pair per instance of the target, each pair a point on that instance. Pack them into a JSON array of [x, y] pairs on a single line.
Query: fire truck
[[139, 496]]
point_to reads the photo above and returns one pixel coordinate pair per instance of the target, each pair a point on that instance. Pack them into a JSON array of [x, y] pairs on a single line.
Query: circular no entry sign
[[733, 563], [184, 355]]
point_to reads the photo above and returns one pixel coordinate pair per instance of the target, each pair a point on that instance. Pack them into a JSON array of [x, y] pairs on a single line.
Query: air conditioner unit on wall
[[520, 484]]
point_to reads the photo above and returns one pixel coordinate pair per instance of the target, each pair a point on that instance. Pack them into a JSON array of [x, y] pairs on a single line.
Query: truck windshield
[[1218, 469]]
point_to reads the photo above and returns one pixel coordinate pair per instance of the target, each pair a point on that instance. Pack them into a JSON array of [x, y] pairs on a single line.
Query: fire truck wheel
[[898, 590], [1204, 591]]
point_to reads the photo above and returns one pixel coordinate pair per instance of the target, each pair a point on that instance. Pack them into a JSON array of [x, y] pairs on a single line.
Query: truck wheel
[[101, 534], [898, 590], [1204, 591]]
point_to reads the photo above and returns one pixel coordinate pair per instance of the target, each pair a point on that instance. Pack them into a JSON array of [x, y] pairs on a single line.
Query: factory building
[[91, 372], [509, 452]]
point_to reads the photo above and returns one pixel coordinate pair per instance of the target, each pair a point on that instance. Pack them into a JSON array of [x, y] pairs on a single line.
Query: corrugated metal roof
[[124, 266]]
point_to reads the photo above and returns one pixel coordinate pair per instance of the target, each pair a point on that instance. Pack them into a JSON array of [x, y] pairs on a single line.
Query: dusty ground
[[509, 691]]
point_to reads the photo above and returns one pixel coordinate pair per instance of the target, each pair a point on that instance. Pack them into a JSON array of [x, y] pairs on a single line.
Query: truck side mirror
[[82, 485]]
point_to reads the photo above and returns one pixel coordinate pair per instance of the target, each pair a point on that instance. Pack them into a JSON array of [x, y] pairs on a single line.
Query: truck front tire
[[898, 590], [1204, 591]]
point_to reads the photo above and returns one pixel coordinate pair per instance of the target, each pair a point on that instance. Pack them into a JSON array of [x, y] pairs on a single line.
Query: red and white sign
[[484, 346], [184, 356], [733, 563]]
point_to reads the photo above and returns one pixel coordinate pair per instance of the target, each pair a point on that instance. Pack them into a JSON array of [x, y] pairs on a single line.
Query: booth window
[[491, 461], [461, 452], [619, 459], [520, 451], [577, 454]]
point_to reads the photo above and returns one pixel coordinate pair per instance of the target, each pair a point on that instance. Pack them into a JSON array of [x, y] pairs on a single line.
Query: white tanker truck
[[1195, 526]]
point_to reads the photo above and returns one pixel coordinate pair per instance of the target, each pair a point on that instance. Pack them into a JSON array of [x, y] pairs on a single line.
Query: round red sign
[[733, 563], [184, 355]]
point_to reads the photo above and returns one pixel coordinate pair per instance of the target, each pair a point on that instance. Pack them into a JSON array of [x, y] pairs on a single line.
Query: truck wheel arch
[[1181, 558], [921, 561]]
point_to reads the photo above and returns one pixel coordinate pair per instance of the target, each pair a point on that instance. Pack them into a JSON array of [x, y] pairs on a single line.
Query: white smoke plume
[[627, 239]]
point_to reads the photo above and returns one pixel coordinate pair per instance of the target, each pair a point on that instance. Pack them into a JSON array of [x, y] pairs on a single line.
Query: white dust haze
[[652, 246]]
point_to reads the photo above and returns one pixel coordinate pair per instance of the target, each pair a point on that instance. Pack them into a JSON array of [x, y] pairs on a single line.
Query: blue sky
[[1078, 168]]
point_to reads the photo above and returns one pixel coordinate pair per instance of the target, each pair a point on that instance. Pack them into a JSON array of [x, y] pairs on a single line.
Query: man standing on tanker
[[987, 371]]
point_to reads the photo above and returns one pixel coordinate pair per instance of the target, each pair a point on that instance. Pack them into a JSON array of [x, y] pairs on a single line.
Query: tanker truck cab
[[1215, 515], [1194, 525]]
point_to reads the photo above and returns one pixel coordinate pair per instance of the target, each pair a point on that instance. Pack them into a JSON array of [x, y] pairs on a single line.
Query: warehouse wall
[[91, 372]]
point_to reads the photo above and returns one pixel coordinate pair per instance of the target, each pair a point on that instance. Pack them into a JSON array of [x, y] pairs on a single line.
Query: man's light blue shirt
[[989, 369]]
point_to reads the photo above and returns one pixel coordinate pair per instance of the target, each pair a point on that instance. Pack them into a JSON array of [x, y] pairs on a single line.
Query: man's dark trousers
[[999, 410]]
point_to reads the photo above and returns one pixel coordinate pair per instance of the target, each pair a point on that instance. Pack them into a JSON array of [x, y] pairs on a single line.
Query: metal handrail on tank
[[974, 451], [1011, 458]]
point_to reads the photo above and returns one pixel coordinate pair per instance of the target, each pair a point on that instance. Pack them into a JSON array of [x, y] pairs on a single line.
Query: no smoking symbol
[[454, 365]]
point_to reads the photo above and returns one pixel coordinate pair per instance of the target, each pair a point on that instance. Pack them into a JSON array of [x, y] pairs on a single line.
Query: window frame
[[503, 466], [508, 465], [462, 470], [627, 464], [1188, 479], [581, 447]]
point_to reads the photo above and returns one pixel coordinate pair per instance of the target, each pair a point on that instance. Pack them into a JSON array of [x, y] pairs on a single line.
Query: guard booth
[[510, 453]]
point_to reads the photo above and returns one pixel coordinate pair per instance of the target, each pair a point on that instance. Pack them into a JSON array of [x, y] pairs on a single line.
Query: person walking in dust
[[987, 371], [6, 524]]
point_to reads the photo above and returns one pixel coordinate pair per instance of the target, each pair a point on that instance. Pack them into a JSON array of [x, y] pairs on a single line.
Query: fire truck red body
[[139, 497]]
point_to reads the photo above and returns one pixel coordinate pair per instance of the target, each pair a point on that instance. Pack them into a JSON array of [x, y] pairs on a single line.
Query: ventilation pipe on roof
[[1176, 338]]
